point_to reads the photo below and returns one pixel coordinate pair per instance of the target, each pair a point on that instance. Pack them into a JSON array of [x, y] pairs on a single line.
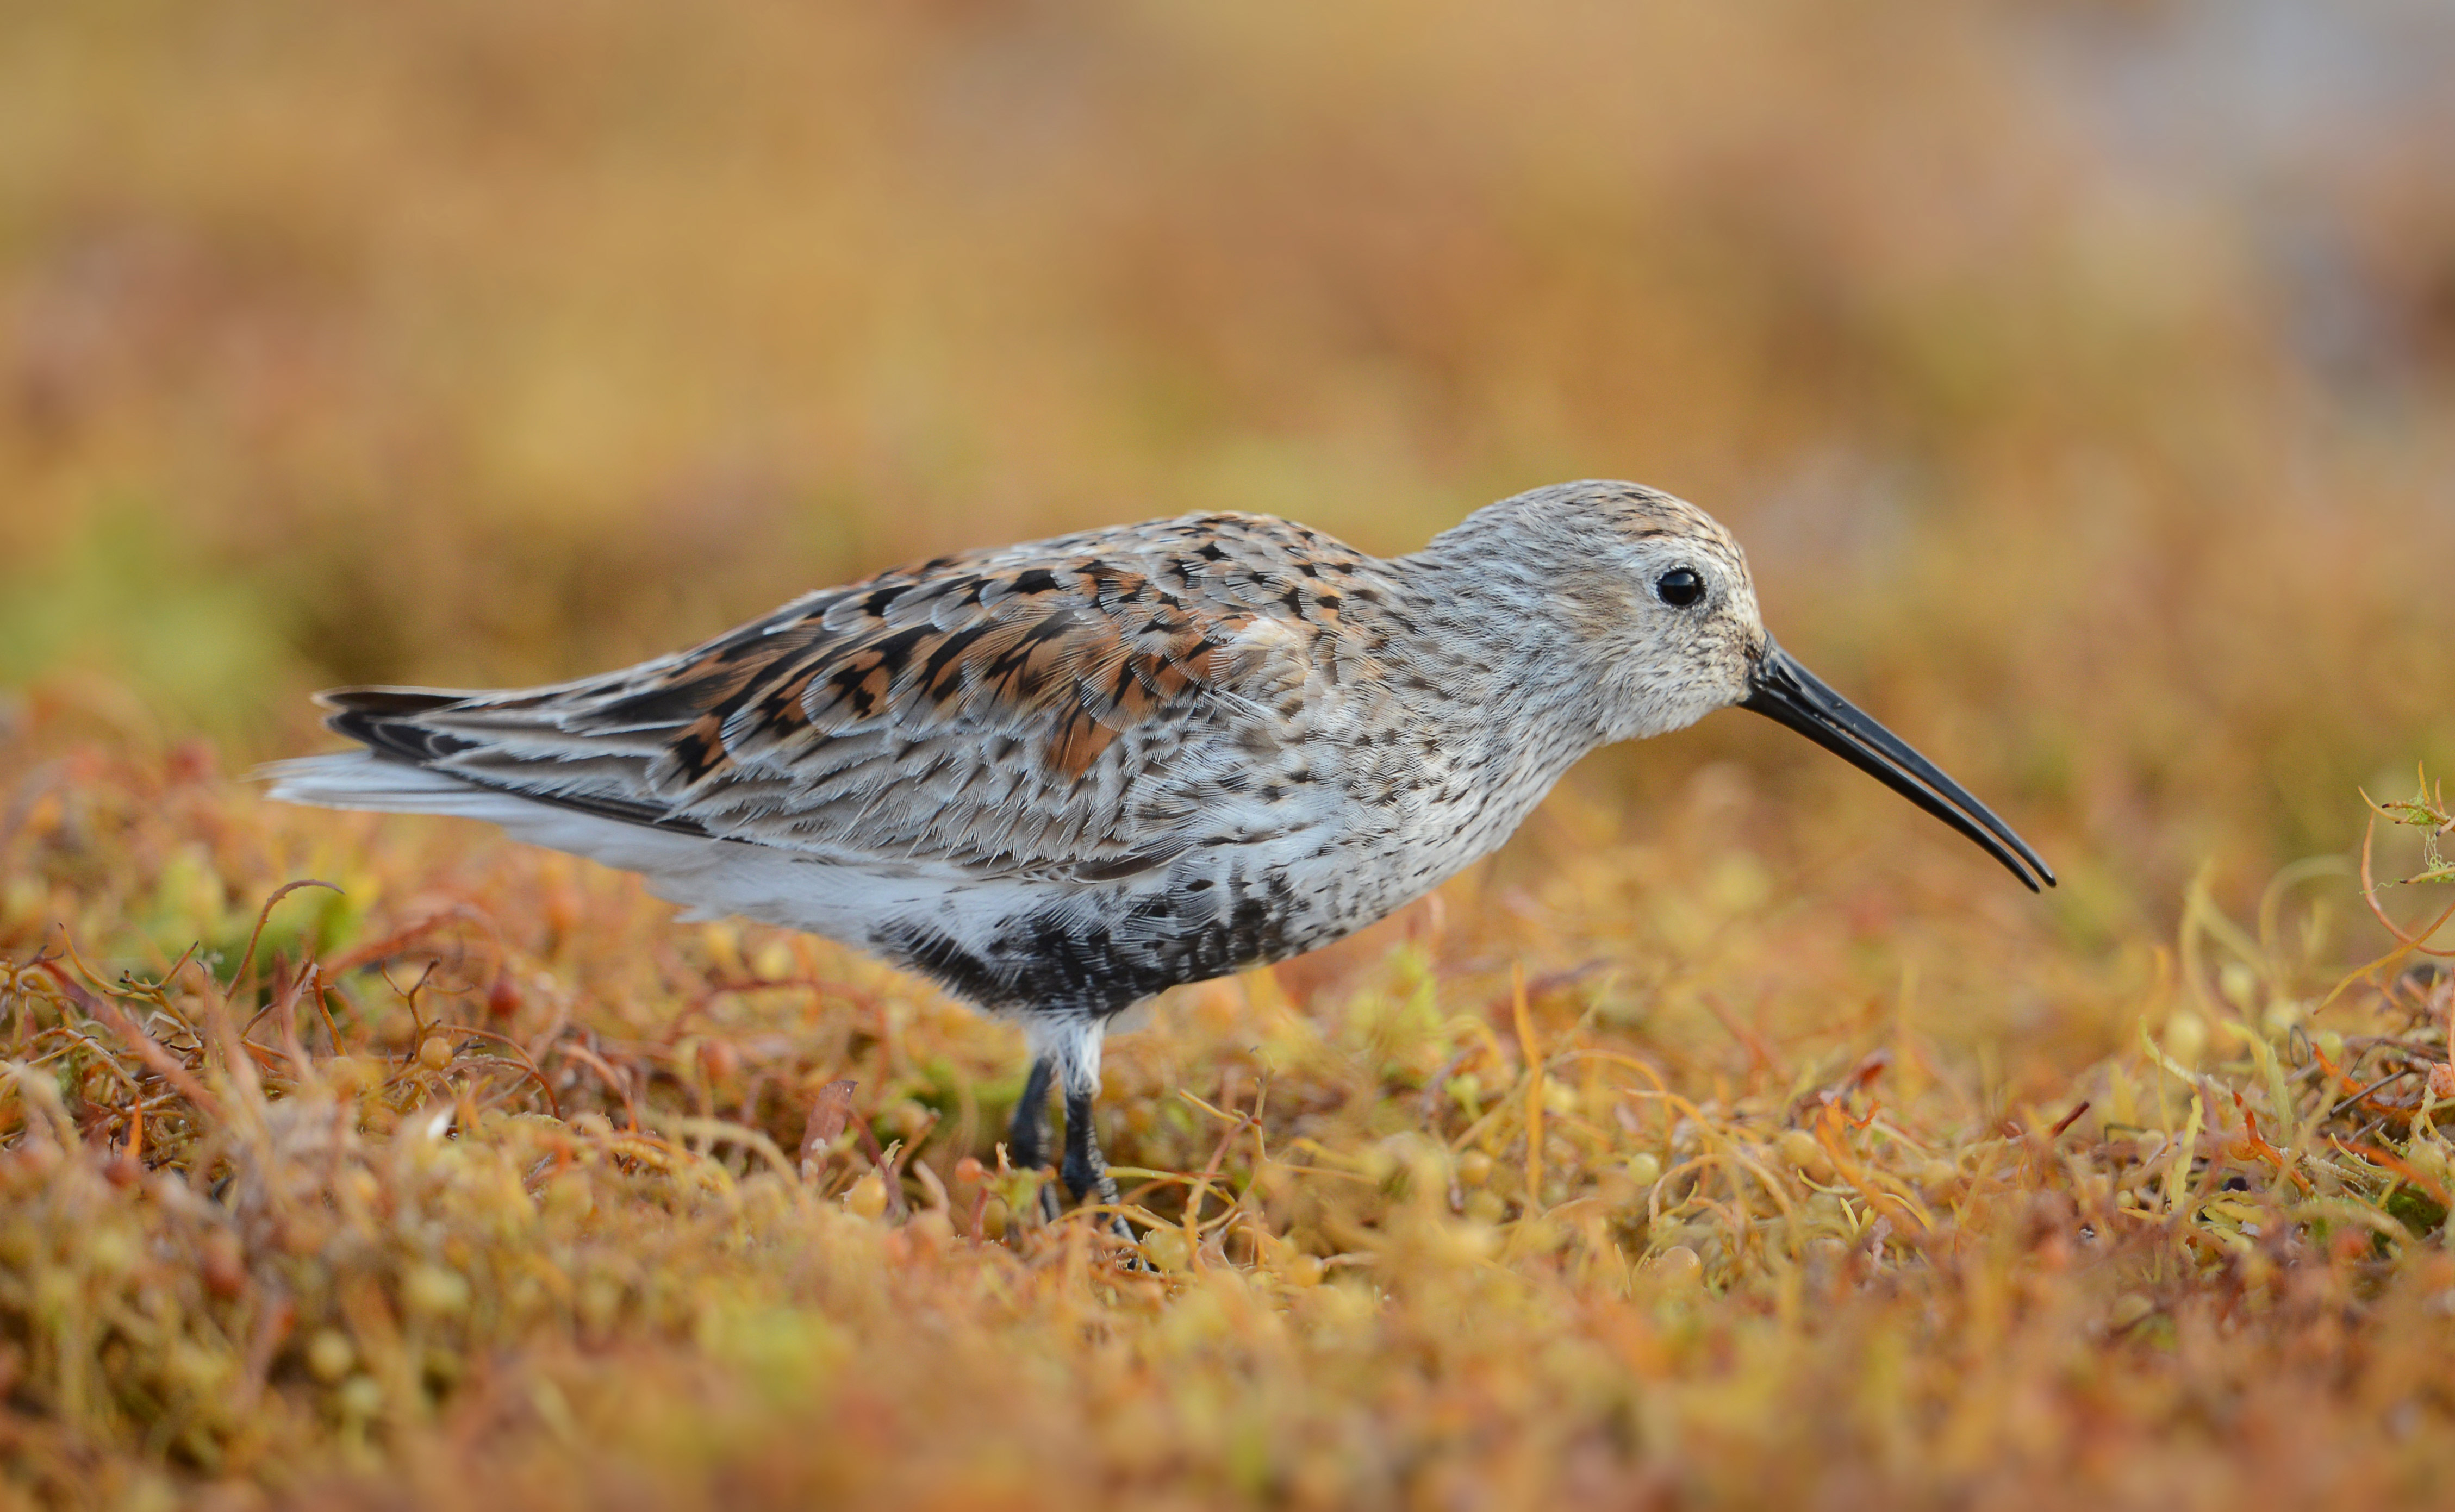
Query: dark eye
[[1679, 587]]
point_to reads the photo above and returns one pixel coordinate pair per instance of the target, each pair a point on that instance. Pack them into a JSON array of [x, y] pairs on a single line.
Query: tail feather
[[383, 720], [504, 741], [361, 780], [836, 895]]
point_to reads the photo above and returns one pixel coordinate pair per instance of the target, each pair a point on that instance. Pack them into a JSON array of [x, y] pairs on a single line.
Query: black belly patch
[[1058, 960]]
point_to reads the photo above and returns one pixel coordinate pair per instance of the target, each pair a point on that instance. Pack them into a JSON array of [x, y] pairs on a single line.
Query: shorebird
[[1059, 778]]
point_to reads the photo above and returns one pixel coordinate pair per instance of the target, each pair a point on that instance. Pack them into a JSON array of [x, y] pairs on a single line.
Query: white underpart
[[1073, 1045], [838, 898]]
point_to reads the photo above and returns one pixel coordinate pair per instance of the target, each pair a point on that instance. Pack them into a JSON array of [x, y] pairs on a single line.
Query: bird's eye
[[1679, 587]]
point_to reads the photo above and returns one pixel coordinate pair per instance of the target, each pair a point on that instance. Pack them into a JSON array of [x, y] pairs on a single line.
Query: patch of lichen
[[492, 1186]]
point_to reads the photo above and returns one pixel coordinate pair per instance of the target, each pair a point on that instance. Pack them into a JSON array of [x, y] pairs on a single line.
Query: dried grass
[[502, 1192], [2079, 394]]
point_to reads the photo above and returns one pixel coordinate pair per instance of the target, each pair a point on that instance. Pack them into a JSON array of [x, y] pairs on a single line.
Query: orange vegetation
[[2076, 377]]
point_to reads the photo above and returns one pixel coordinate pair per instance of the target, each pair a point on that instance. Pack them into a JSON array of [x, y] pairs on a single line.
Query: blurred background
[[2081, 379]]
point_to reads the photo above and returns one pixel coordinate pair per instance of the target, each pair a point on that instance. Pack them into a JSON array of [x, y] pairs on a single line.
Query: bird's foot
[[1128, 1253], [1112, 1225], [1105, 1195]]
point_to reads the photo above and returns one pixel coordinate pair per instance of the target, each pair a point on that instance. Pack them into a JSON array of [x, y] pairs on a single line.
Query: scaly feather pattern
[[1062, 776], [1083, 707]]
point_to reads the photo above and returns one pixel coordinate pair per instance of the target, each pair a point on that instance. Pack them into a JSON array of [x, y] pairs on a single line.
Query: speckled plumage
[[1061, 777]]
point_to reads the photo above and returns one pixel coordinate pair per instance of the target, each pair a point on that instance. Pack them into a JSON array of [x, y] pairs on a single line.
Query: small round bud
[[1167, 1249], [867, 1198], [2186, 1036], [1805, 1155], [330, 1355], [434, 1290], [362, 1398], [1679, 1268]]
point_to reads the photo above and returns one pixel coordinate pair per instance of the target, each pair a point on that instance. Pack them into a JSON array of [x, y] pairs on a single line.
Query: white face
[[1634, 615], [1697, 634], [1672, 618]]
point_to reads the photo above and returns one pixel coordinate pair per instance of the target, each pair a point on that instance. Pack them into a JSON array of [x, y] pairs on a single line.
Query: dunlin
[[1061, 777]]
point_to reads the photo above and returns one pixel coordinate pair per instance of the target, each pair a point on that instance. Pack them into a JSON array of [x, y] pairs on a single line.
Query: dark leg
[[1026, 1139], [1087, 1169]]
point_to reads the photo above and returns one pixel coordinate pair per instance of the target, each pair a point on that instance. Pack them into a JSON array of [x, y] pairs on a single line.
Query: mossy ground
[[2076, 377], [479, 1182]]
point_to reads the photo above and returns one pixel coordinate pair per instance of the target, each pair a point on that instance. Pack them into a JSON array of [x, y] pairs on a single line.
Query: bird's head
[[1655, 597]]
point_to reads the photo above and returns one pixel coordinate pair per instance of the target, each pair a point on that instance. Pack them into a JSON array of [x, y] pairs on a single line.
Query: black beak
[[1783, 689]]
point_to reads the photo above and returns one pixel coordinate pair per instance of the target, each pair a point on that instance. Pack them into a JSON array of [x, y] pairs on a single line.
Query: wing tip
[[390, 698]]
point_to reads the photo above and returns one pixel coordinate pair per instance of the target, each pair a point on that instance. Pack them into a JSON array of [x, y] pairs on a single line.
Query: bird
[[1058, 777]]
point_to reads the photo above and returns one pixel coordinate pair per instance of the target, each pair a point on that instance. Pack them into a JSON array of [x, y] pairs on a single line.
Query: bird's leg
[[1026, 1139], [1069, 1044], [1087, 1169]]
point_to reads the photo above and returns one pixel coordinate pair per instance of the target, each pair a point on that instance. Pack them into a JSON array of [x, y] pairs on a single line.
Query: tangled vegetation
[[487, 1184], [1736, 1136]]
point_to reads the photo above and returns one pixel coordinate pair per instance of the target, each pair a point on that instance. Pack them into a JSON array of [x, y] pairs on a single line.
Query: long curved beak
[[1784, 690]]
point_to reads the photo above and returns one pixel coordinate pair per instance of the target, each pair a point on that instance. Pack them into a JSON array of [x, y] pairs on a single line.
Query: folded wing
[[1089, 705]]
